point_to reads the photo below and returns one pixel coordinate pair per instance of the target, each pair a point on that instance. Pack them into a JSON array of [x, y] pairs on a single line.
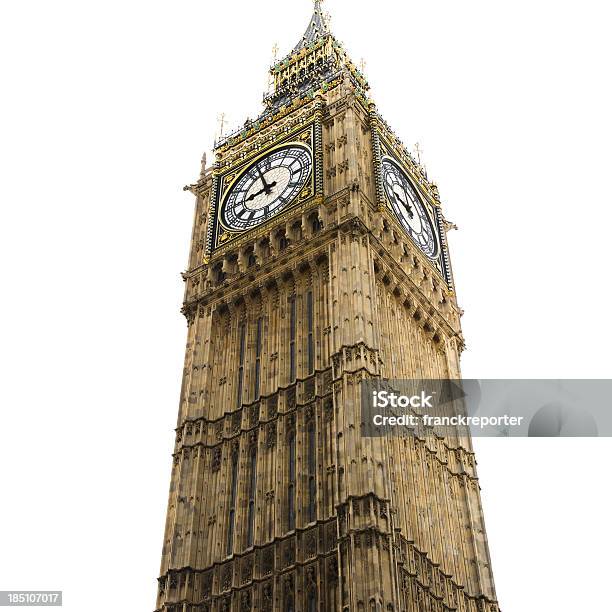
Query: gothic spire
[[316, 28]]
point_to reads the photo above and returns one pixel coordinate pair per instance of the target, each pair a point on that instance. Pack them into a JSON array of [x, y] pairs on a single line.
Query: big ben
[[318, 260]]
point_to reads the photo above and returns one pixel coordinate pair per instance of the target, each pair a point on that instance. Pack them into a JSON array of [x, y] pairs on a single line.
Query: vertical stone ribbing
[[213, 211], [377, 156], [318, 142], [444, 247]]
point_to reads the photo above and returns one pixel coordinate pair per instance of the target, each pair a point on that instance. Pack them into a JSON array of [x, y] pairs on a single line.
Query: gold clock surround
[[303, 136]]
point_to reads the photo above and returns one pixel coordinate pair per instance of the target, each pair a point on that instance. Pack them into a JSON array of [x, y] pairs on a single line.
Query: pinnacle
[[317, 27]]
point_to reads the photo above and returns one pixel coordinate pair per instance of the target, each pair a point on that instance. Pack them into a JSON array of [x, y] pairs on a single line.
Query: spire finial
[[317, 28], [418, 151], [222, 121], [270, 83]]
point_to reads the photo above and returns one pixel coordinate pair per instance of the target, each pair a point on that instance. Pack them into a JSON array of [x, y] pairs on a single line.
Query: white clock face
[[409, 208], [266, 187]]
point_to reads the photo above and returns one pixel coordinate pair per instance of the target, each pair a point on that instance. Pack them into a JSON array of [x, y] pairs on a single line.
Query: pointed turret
[[317, 28], [314, 63], [317, 64]]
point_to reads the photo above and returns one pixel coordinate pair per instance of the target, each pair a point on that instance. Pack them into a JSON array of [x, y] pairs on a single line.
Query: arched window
[[289, 603], [283, 242], [258, 340], [292, 334], [310, 338], [311, 603], [240, 382], [232, 508], [291, 487], [296, 230], [252, 491], [316, 225], [312, 471], [219, 275]]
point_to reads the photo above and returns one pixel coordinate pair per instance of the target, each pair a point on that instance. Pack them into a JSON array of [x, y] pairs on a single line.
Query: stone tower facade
[[318, 259]]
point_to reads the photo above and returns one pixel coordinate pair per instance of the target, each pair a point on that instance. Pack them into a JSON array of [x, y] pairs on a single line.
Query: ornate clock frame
[[441, 264], [307, 134]]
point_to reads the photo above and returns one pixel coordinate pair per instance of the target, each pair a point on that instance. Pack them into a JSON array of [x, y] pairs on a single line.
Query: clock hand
[[254, 195], [263, 180], [406, 206]]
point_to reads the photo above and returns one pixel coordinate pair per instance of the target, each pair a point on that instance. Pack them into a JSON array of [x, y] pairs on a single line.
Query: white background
[[106, 110]]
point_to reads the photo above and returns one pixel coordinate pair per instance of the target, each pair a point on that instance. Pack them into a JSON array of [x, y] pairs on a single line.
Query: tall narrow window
[[312, 479], [310, 317], [241, 340], [291, 488], [252, 489], [312, 601], [258, 357], [292, 320], [232, 508]]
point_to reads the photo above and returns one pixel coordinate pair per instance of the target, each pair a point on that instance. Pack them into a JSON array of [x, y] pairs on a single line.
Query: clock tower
[[318, 260]]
